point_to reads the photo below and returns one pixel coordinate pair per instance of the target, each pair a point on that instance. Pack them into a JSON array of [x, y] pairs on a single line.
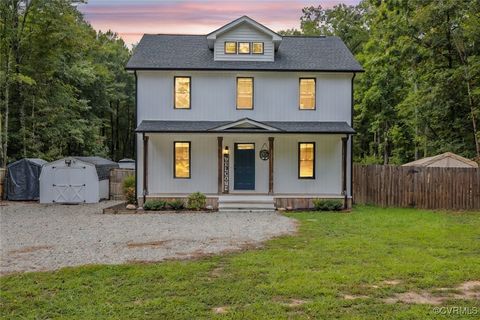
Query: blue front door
[[244, 166]]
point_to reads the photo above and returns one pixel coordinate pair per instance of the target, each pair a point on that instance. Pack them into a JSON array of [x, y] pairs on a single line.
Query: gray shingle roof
[[191, 52], [175, 126], [102, 165]]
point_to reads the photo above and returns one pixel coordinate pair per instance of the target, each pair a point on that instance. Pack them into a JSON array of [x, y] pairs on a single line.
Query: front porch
[[244, 162]]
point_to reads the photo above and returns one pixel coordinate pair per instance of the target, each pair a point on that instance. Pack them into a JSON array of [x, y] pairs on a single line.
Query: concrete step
[[246, 203]]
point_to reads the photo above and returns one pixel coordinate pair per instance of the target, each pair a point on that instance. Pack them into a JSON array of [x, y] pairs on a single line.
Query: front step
[[245, 203]]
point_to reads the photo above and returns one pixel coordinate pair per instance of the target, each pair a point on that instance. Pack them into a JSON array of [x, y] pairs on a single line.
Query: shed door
[[69, 185]]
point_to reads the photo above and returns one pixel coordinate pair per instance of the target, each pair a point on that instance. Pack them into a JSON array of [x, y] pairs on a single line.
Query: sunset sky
[[132, 18]]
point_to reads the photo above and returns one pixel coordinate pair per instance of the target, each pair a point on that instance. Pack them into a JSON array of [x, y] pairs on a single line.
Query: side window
[[181, 158], [244, 47], [306, 160], [245, 93], [182, 91], [307, 94], [257, 47], [230, 47]]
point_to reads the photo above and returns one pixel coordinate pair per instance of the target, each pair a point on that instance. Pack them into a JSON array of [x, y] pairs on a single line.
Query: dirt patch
[[391, 282], [151, 244], [29, 249], [291, 303], [220, 310], [354, 297], [469, 290]]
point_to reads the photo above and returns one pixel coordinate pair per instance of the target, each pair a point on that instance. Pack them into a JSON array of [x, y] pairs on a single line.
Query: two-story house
[[244, 115]]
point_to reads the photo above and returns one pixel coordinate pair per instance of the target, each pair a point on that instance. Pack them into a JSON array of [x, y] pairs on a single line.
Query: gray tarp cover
[[102, 165], [22, 179]]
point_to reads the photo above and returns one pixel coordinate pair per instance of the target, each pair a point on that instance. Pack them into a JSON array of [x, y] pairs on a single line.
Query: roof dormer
[[244, 39]]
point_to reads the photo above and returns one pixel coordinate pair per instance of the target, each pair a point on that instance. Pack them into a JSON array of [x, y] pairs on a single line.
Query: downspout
[[135, 136], [351, 139]]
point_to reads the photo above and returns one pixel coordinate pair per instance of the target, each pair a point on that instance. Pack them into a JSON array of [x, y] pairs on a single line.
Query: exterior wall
[[213, 96], [204, 172], [247, 33]]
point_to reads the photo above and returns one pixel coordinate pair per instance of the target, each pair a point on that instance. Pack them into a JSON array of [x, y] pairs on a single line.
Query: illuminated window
[[244, 47], [257, 47], [244, 93], [182, 93], [230, 47], [306, 160], [307, 94], [182, 159]]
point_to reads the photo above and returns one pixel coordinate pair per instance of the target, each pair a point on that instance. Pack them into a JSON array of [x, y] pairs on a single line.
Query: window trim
[[189, 92], [225, 47], [253, 93], [314, 94], [249, 47], [314, 160], [189, 160], [263, 47]]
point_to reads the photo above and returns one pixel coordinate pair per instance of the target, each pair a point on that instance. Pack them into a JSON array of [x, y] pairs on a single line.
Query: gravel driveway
[[37, 237]]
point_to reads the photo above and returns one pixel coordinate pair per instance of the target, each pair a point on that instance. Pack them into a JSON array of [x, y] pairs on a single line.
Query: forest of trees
[[420, 93], [64, 90], [63, 86]]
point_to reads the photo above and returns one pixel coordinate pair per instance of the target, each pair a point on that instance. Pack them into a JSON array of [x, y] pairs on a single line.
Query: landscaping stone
[[131, 207]]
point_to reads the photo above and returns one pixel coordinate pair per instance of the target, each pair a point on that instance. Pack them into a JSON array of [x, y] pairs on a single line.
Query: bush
[[154, 205], [129, 189], [176, 204], [130, 195], [128, 182], [196, 201], [327, 205]]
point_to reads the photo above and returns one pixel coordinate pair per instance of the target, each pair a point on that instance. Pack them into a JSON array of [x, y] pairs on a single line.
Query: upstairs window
[[307, 94], [182, 160], [182, 92], [230, 47], [306, 160], [257, 47], [244, 47], [245, 93]]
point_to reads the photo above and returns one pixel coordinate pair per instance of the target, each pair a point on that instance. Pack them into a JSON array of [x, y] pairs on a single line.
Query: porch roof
[[175, 126]]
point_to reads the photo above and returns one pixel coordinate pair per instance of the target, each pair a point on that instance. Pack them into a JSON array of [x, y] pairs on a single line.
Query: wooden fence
[[116, 182], [428, 188]]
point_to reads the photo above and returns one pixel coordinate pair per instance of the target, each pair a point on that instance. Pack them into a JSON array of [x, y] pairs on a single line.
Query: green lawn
[[334, 254]]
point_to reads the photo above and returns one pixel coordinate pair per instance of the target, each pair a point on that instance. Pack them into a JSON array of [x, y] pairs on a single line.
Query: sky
[[132, 18]]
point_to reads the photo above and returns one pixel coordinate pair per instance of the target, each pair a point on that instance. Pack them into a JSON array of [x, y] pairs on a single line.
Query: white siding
[[213, 96], [244, 33], [204, 164]]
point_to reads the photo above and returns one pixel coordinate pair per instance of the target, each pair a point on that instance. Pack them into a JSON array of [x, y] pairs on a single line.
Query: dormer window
[[257, 47], [230, 47], [244, 47]]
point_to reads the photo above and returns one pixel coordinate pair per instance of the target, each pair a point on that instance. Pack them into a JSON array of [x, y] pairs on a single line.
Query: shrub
[[128, 182], [176, 204], [130, 195], [196, 201], [327, 204], [154, 205], [129, 189]]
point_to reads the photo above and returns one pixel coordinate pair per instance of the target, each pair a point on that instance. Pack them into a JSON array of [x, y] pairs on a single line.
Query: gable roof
[[212, 36], [178, 126], [191, 52], [430, 161]]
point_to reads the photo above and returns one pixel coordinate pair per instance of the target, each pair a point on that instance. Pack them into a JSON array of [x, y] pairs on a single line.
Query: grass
[[333, 254]]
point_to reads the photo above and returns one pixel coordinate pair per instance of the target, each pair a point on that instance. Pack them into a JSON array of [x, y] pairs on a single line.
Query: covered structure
[[22, 177], [76, 180], [444, 160]]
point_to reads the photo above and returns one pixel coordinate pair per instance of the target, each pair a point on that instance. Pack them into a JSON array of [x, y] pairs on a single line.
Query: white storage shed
[[127, 164], [76, 180]]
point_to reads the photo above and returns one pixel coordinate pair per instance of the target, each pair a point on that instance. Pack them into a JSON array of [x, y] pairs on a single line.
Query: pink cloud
[[130, 19]]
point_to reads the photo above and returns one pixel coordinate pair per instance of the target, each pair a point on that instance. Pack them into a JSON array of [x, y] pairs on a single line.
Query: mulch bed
[[121, 209]]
